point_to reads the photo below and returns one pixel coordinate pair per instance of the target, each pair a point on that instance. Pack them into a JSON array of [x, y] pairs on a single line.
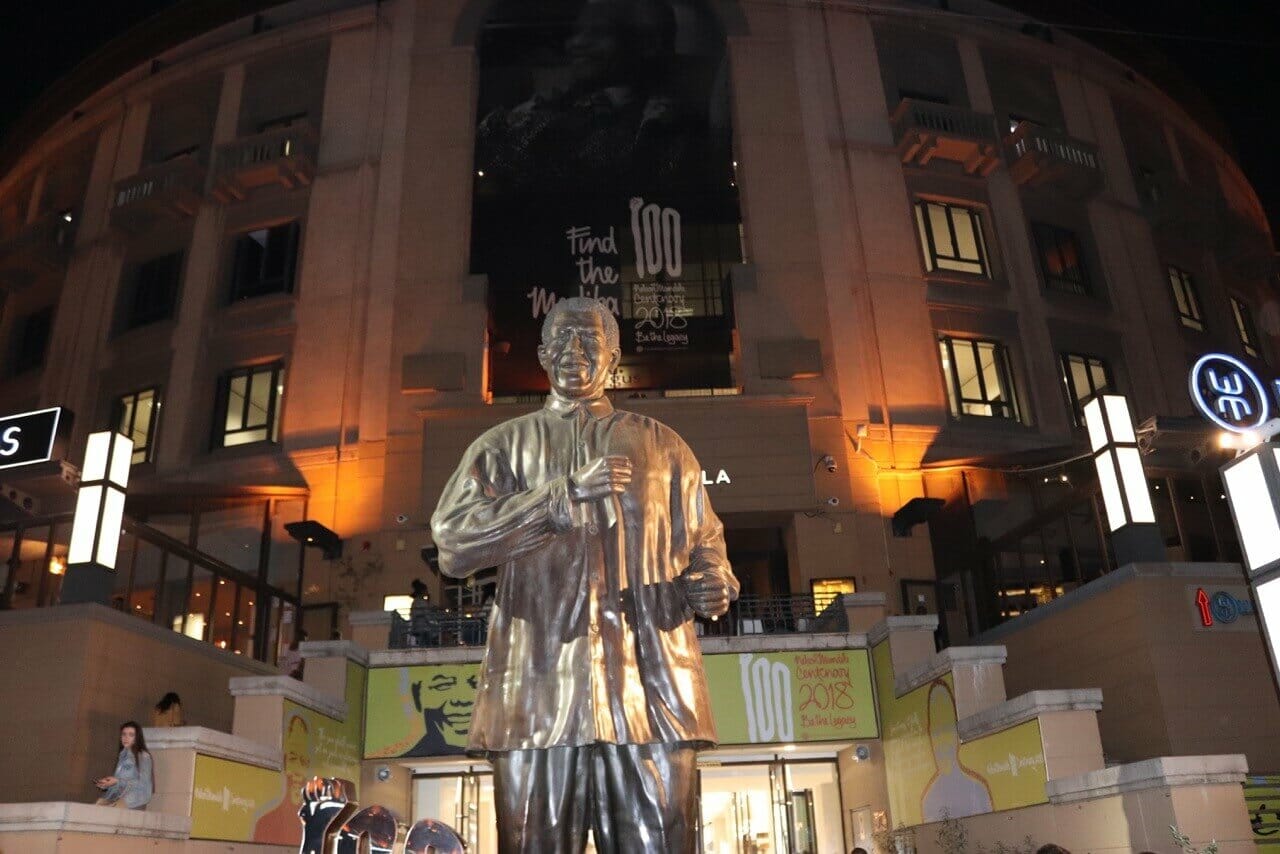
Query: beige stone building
[[868, 259]]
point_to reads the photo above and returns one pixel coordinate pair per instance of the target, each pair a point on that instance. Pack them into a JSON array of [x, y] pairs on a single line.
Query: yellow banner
[[230, 797], [1262, 794]]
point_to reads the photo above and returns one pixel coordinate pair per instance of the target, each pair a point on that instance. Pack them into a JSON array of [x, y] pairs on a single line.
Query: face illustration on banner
[[954, 791], [281, 823], [446, 699]]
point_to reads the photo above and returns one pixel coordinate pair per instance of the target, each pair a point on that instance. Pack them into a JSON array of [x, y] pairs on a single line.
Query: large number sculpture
[[333, 823]]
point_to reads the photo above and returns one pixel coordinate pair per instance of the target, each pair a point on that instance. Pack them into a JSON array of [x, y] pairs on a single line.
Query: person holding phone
[[131, 785]]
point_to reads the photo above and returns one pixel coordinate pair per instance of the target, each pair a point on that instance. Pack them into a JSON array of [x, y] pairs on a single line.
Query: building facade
[[869, 261]]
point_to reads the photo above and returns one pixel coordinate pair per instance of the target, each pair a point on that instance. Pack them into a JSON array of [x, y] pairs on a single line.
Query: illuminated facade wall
[[932, 237]]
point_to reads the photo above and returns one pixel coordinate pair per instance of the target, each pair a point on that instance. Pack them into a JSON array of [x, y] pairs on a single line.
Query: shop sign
[[1229, 393], [29, 437], [1222, 607]]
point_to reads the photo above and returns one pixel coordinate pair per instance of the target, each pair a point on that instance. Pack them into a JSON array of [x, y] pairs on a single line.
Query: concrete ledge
[[864, 600], [946, 661], [426, 655], [880, 631], [783, 643], [69, 817], [1026, 707], [1160, 773], [365, 618], [290, 689], [211, 742], [351, 650]]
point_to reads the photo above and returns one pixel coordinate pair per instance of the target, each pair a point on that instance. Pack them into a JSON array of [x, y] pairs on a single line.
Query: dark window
[[1244, 327], [249, 406], [153, 292], [31, 340], [928, 97], [1061, 260], [951, 238], [264, 263], [979, 381], [1186, 299], [1083, 377], [136, 416]]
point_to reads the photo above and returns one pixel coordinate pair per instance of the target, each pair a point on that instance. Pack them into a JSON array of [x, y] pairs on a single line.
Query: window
[[153, 293], [249, 406], [928, 97], [31, 340], [1184, 296], [264, 261], [1244, 327], [136, 415], [828, 590], [1061, 260], [1083, 377], [978, 378], [951, 237]]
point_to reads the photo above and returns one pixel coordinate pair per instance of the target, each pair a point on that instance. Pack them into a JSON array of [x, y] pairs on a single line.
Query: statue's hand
[[600, 478], [707, 591]]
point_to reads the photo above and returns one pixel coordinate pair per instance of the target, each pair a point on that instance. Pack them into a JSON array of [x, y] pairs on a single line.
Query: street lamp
[[1130, 515], [1252, 482], [95, 530]]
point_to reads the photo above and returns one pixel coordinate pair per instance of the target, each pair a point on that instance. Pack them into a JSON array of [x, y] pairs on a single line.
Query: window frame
[[1246, 328], [1042, 231], [1185, 293], [956, 402], [928, 246], [237, 291], [130, 317], [223, 404], [1075, 402], [117, 416]]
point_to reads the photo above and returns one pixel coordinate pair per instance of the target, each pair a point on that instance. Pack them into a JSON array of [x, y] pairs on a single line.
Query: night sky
[[1231, 55]]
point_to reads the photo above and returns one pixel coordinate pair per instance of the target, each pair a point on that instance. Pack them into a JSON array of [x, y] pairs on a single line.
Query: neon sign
[[1221, 608], [30, 437], [1229, 393]]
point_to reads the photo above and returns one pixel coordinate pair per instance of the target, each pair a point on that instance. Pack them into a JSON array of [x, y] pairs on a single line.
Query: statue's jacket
[[590, 637]]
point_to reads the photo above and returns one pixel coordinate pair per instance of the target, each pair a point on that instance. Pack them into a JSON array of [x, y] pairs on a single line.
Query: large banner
[[932, 776], [244, 803], [604, 169], [756, 698]]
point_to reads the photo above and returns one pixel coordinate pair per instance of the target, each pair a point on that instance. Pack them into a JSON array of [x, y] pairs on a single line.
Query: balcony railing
[[284, 156], [37, 252], [172, 189], [1038, 156], [750, 615], [923, 131]]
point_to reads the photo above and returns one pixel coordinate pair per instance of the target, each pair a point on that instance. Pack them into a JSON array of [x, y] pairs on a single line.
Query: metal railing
[[292, 141], [1030, 138], [182, 175], [749, 615], [943, 120]]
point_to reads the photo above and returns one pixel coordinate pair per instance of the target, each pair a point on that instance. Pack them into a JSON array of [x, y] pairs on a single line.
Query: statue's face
[[576, 355]]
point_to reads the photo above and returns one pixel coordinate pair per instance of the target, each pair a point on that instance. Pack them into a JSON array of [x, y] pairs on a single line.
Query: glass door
[[462, 801]]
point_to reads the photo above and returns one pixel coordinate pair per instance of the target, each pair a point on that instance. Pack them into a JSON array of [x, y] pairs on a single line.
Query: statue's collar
[[597, 407]]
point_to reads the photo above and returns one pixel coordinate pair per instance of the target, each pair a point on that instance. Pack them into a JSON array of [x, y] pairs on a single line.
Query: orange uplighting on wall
[[57, 566]]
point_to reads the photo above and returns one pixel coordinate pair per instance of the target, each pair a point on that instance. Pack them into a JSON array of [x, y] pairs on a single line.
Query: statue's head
[[580, 347]]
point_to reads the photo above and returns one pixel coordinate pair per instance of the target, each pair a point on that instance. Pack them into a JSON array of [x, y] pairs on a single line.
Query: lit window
[[827, 590], [136, 416], [951, 238], [1185, 298], [249, 406], [1245, 329], [1083, 377], [31, 340], [978, 378], [264, 262], [153, 291], [1061, 260]]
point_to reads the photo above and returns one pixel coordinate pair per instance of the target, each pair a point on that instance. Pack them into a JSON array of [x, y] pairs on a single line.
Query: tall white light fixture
[[1125, 496], [95, 531], [1252, 481]]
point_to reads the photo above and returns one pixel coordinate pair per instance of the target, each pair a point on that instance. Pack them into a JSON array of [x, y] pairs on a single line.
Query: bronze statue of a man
[[592, 700]]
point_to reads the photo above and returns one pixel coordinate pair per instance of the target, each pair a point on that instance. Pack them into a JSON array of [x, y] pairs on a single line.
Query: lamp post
[[1135, 537], [95, 531]]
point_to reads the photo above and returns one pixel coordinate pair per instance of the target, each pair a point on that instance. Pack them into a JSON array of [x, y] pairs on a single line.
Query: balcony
[[170, 190], [924, 131], [38, 252], [749, 615], [285, 157], [1039, 156], [1180, 212]]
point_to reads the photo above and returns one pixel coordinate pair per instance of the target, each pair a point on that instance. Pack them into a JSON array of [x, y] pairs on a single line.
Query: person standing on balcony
[[592, 699]]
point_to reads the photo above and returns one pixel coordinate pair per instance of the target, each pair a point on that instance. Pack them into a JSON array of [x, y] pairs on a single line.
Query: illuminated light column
[[95, 532], [1252, 481], [1135, 537]]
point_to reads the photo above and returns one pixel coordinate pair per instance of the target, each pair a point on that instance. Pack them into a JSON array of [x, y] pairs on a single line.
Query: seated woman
[[132, 783]]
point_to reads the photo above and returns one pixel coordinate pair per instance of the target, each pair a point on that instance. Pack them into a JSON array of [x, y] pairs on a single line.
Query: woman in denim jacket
[[132, 783]]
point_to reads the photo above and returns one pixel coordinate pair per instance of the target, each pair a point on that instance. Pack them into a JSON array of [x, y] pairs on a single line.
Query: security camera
[[402, 518], [828, 461], [833, 501]]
